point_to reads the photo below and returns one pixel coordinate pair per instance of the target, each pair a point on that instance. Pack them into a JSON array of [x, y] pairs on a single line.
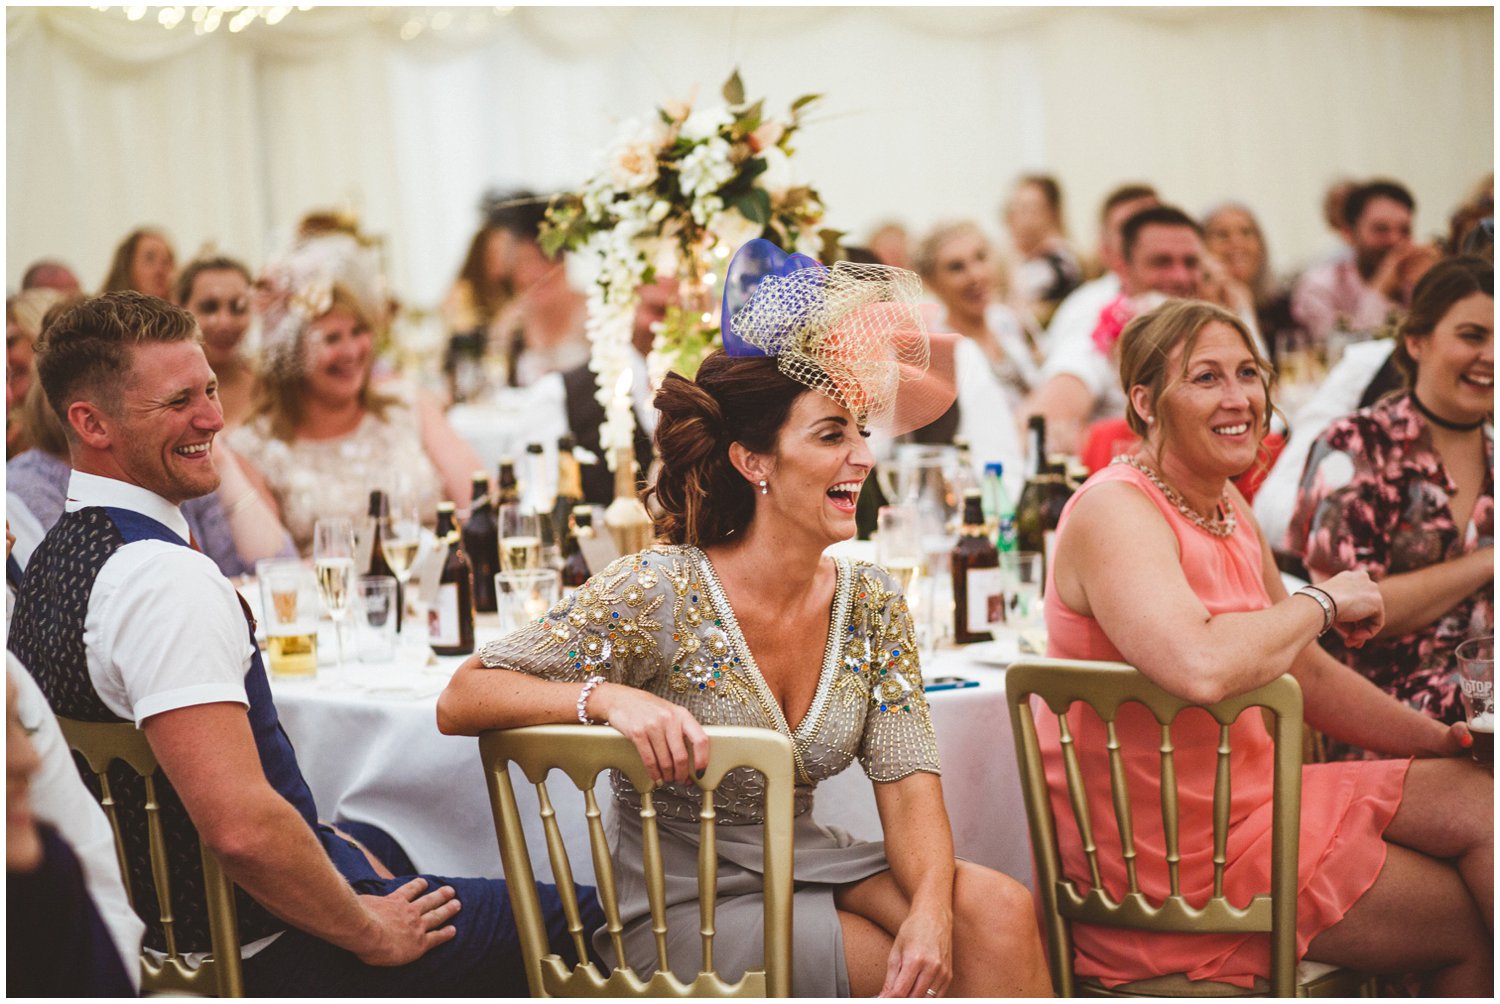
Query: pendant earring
[[763, 489]]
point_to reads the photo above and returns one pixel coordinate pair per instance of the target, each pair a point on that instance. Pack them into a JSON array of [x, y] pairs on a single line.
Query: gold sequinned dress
[[658, 620]]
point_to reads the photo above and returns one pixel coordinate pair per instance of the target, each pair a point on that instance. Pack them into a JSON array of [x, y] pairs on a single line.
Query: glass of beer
[[1476, 681], [289, 613]]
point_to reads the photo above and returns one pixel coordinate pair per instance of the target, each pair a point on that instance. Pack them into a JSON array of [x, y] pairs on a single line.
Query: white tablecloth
[[378, 758]]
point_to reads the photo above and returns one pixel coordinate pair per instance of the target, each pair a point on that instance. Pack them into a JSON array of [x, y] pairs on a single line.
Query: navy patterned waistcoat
[[46, 633]]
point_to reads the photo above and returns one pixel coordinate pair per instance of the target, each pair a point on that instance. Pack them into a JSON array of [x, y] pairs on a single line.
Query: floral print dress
[[1375, 495]]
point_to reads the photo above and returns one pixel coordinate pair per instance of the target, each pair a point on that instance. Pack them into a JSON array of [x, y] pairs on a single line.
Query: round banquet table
[[370, 750]]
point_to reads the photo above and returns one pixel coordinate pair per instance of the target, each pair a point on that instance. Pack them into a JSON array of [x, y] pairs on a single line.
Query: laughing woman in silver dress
[[737, 618]]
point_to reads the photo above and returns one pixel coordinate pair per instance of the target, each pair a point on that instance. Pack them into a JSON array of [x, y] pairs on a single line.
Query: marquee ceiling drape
[[930, 113]]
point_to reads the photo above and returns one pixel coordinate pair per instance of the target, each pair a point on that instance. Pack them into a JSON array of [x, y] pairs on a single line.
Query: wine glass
[[520, 538], [333, 561], [898, 543], [400, 541]]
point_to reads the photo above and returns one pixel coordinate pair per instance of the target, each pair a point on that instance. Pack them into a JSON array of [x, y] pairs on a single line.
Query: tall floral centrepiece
[[677, 195]]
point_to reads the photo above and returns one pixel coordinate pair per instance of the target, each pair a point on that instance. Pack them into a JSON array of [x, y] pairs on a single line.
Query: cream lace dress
[[659, 620], [317, 478]]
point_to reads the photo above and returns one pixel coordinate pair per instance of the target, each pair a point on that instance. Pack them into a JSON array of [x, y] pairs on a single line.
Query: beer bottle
[[569, 482], [575, 570], [380, 511], [1039, 510], [450, 622], [481, 539], [509, 490], [978, 601]]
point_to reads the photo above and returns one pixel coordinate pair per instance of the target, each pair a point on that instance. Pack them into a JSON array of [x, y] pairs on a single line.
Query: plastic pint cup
[[1476, 680]]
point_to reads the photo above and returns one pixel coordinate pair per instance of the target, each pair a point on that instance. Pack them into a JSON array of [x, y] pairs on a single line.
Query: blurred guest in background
[[144, 261], [48, 274], [1233, 236], [1047, 269], [483, 283], [1078, 314], [321, 436], [23, 322], [1365, 292], [891, 245], [1480, 205], [1162, 257], [542, 329], [956, 263], [1405, 490], [216, 291]]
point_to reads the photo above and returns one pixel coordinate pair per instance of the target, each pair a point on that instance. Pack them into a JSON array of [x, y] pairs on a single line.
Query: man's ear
[[753, 467], [90, 424]]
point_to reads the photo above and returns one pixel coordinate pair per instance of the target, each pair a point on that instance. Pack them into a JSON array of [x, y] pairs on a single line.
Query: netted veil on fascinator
[[853, 333], [297, 287]]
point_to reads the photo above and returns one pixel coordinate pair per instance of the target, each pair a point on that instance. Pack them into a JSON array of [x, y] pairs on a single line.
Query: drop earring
[[763, 489]]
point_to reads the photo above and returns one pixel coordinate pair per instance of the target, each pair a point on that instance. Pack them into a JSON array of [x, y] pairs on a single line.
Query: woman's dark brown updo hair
[[703, 499], [1446, 283]]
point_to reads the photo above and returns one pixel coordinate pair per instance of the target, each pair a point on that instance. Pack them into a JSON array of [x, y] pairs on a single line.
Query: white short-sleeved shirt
[[164, 629], [59, 798]]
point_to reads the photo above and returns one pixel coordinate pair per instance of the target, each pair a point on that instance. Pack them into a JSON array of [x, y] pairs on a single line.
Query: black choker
[[1441, 422]]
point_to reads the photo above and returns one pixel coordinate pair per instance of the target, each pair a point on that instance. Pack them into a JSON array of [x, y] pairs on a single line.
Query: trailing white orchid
[[679, 193]]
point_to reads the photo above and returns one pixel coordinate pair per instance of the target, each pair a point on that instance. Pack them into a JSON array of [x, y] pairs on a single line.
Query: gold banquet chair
[[100, 744], [1105, 686], [581, 752]]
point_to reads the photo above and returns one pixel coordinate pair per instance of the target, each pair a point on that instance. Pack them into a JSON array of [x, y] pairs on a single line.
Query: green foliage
[[734, 89]]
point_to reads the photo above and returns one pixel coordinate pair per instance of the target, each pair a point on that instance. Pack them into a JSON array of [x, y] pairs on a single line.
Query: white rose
[[733, 229], [705, 122], [777, 177], [632, 165]]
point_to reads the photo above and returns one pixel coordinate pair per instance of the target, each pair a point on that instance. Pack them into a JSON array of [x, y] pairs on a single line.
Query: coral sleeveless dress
[[1345, 806]]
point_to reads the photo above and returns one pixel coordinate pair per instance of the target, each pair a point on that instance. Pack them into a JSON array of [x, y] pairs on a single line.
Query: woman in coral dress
[[1159, 563]]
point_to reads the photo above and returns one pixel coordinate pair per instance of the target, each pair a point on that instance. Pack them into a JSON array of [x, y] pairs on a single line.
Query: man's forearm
[[275, 857]]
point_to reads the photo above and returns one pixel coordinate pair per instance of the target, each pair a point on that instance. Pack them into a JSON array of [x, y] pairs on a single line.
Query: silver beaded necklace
[[1221, 527]]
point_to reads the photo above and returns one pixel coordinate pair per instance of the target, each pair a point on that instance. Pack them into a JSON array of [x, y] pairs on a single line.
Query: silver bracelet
[[583, 699], [1323, 600]]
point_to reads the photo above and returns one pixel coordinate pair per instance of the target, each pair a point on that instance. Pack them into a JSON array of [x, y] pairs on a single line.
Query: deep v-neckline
[[812, 718]]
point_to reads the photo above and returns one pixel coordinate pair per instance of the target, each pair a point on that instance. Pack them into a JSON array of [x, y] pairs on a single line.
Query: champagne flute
[[400, 541], [898, 543], [333, 561], [520, 538]]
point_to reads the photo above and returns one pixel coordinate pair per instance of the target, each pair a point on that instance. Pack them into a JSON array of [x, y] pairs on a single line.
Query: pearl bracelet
[[583, 699], [1330, 608]]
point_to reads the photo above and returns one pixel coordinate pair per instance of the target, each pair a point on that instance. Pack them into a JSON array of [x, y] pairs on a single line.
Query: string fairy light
[[410, 22]]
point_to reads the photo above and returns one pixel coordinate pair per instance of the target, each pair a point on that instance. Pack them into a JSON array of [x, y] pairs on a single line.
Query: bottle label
[[442, 617], [1005, 540], [986, 599]]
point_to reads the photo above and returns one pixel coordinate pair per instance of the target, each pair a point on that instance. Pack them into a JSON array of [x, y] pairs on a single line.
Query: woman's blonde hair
[[283, 388], [1149, 339]]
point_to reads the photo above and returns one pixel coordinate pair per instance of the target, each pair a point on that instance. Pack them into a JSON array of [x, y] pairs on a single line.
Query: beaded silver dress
[[659, 620]]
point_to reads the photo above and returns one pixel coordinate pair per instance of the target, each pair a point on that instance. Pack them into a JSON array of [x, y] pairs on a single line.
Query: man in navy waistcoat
[[120, 618]]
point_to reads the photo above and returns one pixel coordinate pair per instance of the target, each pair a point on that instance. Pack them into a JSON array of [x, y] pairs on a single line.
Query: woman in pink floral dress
[[1405, 490]]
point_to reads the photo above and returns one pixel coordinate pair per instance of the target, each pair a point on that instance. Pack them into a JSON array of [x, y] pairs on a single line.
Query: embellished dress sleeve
[[898, 739], [1345, 508], [611, 626]]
